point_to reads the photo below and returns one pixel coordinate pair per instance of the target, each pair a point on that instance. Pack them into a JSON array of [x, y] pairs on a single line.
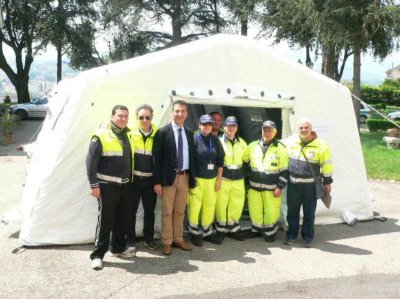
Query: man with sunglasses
[[143, 183]]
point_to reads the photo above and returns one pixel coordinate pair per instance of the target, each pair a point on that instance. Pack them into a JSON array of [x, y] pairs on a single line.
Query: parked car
[[365, 113], [395, 115], [36, 108]]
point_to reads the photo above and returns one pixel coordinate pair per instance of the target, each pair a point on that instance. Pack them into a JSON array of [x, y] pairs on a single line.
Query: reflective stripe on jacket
[[319, 156], [111, 167], [143, 158], [233, 160], [270, 169]]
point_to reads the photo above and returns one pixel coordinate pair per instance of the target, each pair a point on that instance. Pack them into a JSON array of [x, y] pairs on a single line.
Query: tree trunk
[[244, 26], [22, 88], [176, 24], [329, 63], [357, 78], [59, 63], [20, 79], [309, 62]]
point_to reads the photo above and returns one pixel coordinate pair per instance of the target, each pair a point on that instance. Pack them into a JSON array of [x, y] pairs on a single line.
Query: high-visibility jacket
[[318, 154], [270, 169], [143, 158], [112, 160], [233, 160]]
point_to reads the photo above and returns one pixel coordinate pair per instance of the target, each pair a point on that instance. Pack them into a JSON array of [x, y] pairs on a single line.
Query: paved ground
[[346, 262]]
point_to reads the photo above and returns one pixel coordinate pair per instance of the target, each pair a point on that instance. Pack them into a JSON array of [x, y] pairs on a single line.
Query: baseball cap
[[206, 118], [269, 124], [231, 120]]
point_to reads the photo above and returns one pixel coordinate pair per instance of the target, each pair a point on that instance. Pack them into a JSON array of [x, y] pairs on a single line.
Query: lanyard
[[210, 147]]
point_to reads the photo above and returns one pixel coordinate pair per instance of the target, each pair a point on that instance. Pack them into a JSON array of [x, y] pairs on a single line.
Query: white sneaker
[[97, 264], [129, 252]]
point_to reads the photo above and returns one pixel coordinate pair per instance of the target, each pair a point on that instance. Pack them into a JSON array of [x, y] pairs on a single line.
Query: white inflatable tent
[[223, 71]]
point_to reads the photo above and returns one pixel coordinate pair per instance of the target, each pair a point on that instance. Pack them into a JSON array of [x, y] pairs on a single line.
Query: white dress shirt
[[185, 145]]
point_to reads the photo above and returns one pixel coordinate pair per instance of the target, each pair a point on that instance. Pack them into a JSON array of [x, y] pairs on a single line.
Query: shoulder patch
[[94, 139]]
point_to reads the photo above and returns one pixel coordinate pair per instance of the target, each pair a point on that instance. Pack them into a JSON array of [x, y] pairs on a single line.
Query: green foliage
[[129, 24], [339, 28], [22, 19], [380, 95], [70, 27], [394, 84], [8, 122], [375, 125], [380, 106], [379, 159]]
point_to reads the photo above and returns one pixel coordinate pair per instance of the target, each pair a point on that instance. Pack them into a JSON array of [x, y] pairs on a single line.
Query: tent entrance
[[251, 113], [250, 118]]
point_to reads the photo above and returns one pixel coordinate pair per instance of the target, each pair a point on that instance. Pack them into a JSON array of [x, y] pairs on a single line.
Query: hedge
[[380, 125], [380, 95]]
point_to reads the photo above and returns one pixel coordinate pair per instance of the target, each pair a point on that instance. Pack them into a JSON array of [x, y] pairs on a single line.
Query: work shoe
[[151, 245], [214, 238], [196, 240], [167, 249], [290, 241], [269, 239], [252, 234], [238, 236], [129, 252], [183, 245], [308, 244], [97, 264]]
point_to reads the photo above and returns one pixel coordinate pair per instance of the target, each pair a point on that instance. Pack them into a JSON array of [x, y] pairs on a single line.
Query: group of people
[[202, 173]]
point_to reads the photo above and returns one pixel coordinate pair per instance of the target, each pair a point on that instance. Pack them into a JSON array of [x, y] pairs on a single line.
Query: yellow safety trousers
[[229, 207], [264, 211], [201, 206]]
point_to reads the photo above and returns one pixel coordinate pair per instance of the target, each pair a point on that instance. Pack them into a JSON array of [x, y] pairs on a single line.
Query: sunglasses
[[146, 117]]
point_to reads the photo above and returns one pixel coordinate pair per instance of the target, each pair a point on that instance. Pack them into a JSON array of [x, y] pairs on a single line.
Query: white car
[[395, 115], [36, 108]]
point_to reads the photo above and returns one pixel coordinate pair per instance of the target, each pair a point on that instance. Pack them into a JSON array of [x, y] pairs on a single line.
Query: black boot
[[238, 236], [269, 239], [197, 240], [252, 234], [214, 238]]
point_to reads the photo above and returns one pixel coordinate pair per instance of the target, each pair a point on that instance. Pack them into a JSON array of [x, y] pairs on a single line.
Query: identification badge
[[210, 166]]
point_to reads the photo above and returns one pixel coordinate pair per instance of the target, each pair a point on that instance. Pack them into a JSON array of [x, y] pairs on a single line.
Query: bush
[[380, 125], [380, 95], [381, 106]]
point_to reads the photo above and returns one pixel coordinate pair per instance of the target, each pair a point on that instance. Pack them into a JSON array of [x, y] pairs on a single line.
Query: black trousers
[[143, 188], [301, 195], [114, 206]]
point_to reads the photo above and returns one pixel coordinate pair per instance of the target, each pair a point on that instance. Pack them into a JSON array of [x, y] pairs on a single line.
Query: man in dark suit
[[173, 153]]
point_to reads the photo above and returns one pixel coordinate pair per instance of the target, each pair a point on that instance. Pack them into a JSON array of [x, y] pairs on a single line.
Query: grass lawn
[[381, 162]]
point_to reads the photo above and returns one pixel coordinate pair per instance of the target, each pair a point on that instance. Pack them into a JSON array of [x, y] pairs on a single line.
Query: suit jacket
[[165, 156]]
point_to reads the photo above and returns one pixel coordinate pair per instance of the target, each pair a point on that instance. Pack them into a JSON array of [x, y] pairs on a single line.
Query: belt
[[182, 172]]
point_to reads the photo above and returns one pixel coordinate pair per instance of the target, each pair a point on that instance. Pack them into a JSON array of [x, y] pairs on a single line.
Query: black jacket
[[165, 157]]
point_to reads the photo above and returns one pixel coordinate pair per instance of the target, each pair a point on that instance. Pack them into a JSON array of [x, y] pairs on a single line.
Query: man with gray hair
[[309, 157], [143, 182]]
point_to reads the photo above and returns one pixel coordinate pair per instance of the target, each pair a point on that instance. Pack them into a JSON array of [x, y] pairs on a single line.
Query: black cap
[[231, 120], [204, 119], [269, 124]]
